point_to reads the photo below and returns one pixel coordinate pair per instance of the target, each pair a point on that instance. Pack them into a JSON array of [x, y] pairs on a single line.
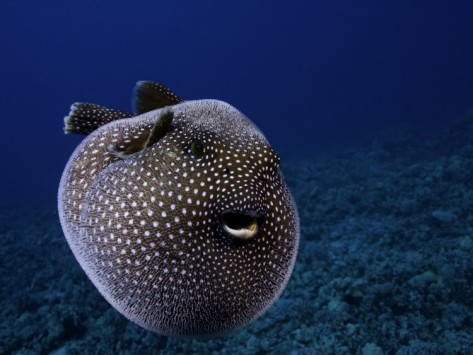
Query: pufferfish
[[178, 213]]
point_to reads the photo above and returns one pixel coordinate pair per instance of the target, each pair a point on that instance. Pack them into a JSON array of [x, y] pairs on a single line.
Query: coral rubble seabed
[[385, 265]]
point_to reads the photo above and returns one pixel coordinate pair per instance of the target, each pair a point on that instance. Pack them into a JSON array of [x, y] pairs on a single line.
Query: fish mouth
[[241, 225]]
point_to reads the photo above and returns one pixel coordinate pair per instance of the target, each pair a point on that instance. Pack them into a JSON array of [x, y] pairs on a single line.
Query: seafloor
[[385, 265]]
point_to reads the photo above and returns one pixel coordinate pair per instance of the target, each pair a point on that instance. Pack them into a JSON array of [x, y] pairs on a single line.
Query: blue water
[[360, 99]]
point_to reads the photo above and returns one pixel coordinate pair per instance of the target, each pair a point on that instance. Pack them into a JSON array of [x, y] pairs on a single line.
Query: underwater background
[[368, 103]]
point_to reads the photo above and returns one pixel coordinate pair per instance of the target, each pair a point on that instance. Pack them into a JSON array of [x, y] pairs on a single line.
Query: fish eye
[[197, 148]]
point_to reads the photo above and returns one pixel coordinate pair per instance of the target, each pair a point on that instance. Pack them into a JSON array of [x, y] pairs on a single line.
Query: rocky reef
[[385, 264]]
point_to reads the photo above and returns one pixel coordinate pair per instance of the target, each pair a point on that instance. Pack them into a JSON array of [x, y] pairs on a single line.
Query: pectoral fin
[[144, 138]]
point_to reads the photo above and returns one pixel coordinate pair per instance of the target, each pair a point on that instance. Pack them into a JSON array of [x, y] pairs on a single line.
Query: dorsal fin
[[85, 118], [144, 138], [150, 96]]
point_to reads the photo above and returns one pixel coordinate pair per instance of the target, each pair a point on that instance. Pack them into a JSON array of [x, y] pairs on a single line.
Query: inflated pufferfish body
[[178, 215]]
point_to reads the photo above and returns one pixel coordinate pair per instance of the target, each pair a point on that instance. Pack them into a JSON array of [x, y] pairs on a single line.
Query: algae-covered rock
[[428, 278], [443, 216], [371, 349], [466, 243]]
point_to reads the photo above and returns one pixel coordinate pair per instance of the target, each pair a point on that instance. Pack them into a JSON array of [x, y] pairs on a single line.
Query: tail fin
[[85, 118]]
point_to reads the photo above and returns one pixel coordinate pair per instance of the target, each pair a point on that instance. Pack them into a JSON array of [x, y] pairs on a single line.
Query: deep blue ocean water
[[370, 106]]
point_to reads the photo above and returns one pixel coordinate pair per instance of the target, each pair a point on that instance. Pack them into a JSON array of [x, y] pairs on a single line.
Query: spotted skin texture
[[148, 230]]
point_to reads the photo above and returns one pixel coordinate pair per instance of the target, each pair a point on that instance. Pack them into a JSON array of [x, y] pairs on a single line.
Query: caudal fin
[[85, 118]]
